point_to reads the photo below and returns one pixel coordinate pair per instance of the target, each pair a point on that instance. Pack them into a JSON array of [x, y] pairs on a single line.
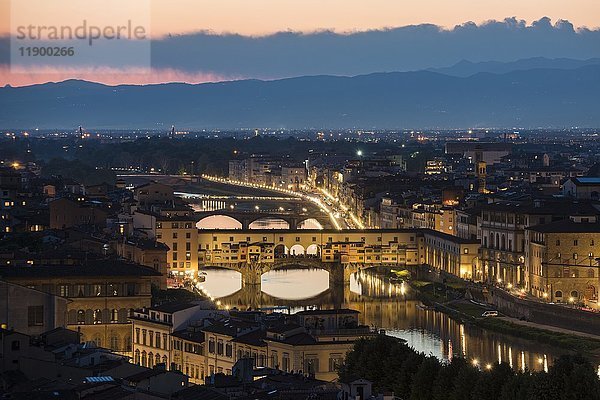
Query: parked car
[[490, 313]]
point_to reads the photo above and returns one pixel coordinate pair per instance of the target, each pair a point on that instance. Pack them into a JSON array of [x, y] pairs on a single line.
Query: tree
[[464, 382], [422, 388], [444, 382]]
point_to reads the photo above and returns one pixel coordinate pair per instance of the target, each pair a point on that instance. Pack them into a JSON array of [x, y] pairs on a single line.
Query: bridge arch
[[312, 250], [297, 250], [219, 221], [280, 250]]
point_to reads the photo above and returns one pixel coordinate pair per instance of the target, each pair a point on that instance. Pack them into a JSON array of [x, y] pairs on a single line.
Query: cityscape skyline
[[300, 199]]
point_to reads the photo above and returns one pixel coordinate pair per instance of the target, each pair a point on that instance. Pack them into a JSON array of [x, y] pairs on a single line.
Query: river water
[[383, 305]]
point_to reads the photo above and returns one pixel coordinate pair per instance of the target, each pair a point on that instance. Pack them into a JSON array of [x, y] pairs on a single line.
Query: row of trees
[[391, 365]]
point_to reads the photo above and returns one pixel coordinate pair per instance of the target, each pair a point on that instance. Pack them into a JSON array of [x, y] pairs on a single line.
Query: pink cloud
[[105, 75]]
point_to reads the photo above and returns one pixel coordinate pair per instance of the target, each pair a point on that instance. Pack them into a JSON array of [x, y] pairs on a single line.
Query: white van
[[490, 314]]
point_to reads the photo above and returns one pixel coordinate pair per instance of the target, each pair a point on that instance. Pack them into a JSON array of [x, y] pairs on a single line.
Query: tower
[[481, 170]]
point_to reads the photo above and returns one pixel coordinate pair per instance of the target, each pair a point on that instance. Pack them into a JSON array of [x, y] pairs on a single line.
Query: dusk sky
[[183, 19]]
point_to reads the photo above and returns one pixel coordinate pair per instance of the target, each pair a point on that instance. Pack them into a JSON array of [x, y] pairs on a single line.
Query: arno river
[[384, 305]]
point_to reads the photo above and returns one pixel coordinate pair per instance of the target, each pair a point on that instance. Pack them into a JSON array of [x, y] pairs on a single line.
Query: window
[[63, 290], [228, 350], [211, 346], [311, 364], [558, 293], [335, 361], [80, 317], [157, 344], [97, 290], [35, 315], [114, 315], [97, 316], [220, 348], [285, 362], [114, 342], [575, 242], [15, 345]]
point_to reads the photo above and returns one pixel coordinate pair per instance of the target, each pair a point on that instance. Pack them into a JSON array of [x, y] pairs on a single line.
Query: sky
[[184, 24]]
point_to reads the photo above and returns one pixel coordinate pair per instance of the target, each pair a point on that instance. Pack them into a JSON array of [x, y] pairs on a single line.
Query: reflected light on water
[[386, 306], [295, 284], [222, 282]]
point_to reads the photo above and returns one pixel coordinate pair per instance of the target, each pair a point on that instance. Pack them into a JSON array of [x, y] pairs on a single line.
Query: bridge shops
[[254, 252]]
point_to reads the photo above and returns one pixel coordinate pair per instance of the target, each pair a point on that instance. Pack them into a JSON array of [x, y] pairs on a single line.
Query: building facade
[[564, 261]]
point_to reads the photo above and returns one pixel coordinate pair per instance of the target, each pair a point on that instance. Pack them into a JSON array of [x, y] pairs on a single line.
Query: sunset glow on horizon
[[262, 17], [259, 18]]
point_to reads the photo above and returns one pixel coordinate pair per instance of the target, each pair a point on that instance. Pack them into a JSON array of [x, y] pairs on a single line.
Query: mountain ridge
[[385, 100]]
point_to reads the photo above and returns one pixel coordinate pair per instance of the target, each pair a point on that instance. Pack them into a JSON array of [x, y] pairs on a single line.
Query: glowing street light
[[359, 153]]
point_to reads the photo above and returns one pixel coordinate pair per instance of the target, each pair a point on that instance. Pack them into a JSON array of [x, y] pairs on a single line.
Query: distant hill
[[425, 99], [467, 68]]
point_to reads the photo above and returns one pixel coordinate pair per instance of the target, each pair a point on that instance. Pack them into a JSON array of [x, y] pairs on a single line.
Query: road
[[338, 213]]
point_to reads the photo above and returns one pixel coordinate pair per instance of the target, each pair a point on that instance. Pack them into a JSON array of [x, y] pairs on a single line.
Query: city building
[[503, 226], [31, 311], [452, 255], [67, 213], [585, 188], [101, 294], [564, 260], [158, 336]]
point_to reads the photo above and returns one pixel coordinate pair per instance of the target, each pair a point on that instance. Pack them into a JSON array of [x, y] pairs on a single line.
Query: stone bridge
[[245, 218], [252, 272]]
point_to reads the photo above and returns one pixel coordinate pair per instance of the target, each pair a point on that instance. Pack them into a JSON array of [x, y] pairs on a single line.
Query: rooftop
[[173, 307], [567, 226], [105, 268], [587, 180]]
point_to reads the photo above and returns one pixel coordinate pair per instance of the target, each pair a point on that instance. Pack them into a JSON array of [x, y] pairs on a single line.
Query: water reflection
[[292, 284], [384, 305]]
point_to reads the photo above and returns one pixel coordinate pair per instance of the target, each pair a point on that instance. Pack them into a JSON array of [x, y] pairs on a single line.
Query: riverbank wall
[[547, 314]]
